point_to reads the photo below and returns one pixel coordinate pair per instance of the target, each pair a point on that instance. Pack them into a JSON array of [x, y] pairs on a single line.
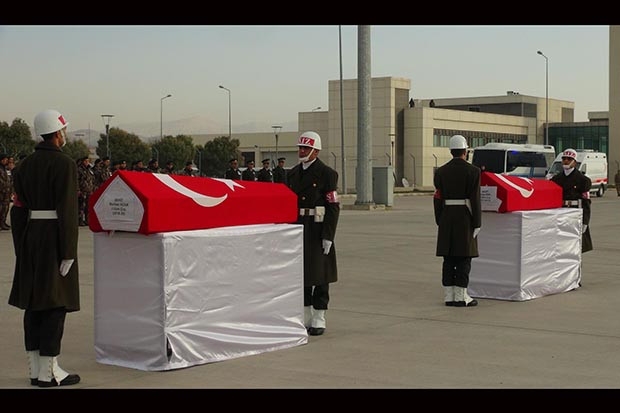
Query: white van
[[590, 163], [525, 160]]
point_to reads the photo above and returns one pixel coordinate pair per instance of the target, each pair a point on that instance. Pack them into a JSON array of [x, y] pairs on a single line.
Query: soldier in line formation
[[233, 171], [86, 186], [279, 173], [265, 174], [6, 190], [249, 174]]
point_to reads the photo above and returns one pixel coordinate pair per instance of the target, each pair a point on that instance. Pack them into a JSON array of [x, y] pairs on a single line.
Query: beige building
[[614, 101], [412, 140]]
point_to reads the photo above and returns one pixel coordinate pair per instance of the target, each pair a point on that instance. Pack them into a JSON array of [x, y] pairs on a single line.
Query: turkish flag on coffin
[[506, 193], [149, 203]]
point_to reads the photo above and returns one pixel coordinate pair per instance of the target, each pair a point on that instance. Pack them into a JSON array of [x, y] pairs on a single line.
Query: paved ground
[[387, 325]]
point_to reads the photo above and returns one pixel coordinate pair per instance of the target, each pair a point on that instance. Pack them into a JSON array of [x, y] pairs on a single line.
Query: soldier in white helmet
[[45, 237], [576, 193], [458, 215], [315, 184]]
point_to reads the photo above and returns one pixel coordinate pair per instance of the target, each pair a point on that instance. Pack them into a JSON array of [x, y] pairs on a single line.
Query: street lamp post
[[392, 142], [106, 121], [229, 127], [276, 129], [546, 96], [161, 116]]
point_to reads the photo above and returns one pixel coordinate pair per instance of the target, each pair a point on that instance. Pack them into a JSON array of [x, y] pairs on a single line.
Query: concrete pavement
[[387, 326]]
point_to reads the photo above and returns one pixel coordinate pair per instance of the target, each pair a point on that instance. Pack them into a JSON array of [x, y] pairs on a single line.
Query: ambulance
[[590, 163], [524, 160]]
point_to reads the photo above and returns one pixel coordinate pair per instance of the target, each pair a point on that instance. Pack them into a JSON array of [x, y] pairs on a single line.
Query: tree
[[216, 155], [178, 149], [123, 146], [16, 140], [76, 149]]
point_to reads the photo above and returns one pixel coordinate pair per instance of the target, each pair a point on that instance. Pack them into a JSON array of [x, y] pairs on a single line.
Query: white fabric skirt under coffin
[[527, 254], [176, 299]]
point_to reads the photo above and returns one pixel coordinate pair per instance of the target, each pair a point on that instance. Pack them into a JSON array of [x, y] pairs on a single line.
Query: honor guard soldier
[[45, 233], [458, 215], [315, 184], [576, 193]]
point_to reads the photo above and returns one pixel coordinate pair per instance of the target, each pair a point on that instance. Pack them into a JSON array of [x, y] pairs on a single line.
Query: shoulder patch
[[332, 197]]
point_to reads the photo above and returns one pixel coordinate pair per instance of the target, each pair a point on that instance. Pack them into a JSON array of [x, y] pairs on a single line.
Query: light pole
[[392, 141], [342, 154], [413, 157], [546, 96], [106, 122], [276, 129], [229, 127], [161, 116]]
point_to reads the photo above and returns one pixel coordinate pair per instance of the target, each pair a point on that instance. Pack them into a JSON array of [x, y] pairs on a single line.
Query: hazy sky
[[274, 72]]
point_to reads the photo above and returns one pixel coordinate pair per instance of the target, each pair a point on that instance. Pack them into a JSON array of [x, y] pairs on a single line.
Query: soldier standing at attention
[[86, 185], [102, 171], [458, 215], [169, 168], [315, 184], [45, 238], [189, 169], [279, 173], [6, 191], [249, 174], [265, 174], [576, 193], [233, 171]]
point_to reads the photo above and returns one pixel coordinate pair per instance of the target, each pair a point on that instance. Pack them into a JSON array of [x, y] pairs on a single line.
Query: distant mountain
[[197, 125]]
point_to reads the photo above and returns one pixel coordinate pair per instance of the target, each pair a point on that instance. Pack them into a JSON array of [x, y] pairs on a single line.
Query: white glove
[[585, 227], [476, 232], [327, 245], [65, 266]]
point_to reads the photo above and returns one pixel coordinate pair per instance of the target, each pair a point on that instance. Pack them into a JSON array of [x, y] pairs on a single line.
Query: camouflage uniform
[[6, 190], [102, 173], [86, 186]]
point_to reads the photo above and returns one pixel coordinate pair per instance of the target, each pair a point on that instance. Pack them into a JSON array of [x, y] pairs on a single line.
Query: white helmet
[[311, 139], [49, 121], [458, 142], [569, 153]]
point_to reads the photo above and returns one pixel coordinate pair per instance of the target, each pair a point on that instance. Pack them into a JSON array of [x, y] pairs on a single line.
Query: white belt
[[569, 203], [304, 212], [457, 202], [43, 214]]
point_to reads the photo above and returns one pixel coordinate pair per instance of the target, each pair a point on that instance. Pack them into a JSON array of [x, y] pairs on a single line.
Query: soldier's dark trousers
[[43, 330], [455, 271], [4, 212], [317, 296]]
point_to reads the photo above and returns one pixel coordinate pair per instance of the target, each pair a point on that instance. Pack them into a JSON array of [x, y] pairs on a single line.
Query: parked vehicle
[[590, 163], [525, 160]]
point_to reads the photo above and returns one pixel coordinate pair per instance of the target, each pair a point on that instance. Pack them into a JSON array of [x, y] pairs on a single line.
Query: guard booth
[[383, 185]]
